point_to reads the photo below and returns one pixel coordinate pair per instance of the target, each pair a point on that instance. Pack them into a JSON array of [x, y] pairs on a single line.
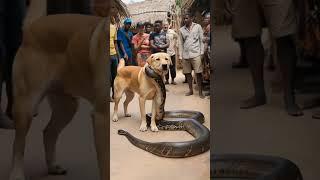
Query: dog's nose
[[164, 66]]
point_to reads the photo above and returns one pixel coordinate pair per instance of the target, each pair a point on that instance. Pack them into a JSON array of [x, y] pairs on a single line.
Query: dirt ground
[[130, 162]]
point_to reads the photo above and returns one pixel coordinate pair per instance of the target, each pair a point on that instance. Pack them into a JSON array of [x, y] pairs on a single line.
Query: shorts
[[250, 16], [194, 63]]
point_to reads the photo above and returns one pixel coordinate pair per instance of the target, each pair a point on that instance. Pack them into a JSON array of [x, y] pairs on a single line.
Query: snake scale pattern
[[190, 121], [250, 166]]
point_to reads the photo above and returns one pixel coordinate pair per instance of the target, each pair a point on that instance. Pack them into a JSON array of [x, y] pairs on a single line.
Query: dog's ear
[[149, 60]]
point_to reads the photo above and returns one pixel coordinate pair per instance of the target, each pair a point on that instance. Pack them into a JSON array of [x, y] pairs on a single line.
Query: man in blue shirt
[[125, 43]]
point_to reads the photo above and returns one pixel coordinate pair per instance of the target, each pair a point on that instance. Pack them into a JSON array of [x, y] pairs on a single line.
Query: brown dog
[[133, 79], [62, 57]]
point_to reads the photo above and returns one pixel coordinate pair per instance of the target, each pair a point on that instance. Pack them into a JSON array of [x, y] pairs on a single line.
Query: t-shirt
[[159, 39], [173, 38], [125, 38], [138, 38], [113, 38]]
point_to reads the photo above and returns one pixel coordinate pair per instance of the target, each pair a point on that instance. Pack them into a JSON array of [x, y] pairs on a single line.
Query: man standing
[[191, 50], [173, 37], [125, 43], [250, 16], [158, 40], [114, 53]]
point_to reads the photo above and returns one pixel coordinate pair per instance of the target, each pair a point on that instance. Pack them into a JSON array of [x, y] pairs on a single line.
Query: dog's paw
[[143, 127], [115, 118], [154, 128], [57, 170], [127, 115]]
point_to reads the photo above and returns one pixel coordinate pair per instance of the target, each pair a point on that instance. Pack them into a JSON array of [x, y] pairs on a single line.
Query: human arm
[[180, 42], [201, 40], [121, 46], [165, 46], [152, 44]]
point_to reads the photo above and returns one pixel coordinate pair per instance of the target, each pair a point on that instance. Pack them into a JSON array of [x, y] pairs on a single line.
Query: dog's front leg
[[142, 104], [153, 125]]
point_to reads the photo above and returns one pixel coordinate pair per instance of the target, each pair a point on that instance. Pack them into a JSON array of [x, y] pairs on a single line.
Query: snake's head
[[122, 132]]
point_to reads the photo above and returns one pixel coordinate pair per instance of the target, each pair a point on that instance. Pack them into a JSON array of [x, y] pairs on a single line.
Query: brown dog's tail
[[121, 64]]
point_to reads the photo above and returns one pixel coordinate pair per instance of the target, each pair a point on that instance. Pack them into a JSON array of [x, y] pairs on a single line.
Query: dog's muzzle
[[164, 66]]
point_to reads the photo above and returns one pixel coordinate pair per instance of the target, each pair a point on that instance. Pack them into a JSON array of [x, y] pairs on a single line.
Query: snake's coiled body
[[256, 167], [190, 121]]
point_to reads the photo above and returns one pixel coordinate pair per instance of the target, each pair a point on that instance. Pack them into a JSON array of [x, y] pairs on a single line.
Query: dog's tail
[[37, 9], [121, 64]]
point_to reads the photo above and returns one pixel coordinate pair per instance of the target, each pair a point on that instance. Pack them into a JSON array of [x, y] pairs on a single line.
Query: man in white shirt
[[171, 50], [191, 50]]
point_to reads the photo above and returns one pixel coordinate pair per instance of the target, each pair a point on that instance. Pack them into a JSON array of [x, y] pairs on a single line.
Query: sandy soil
[[129, 162]]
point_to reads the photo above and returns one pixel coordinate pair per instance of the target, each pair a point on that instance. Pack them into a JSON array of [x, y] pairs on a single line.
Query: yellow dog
[[133, 79], [62, 57]]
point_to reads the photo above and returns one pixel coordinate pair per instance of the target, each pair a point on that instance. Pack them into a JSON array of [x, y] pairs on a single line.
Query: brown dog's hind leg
[[63, 109], [129, 97], [117, 96], [22, 114]]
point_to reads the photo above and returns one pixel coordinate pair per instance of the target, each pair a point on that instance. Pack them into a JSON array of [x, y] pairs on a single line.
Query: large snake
[[248, 166], [190, 121]]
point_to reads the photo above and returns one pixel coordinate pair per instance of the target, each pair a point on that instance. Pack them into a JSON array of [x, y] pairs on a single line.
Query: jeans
[[113, 66], [172, 68]]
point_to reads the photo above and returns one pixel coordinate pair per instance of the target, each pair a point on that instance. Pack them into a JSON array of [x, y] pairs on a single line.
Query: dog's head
[[160, 62]]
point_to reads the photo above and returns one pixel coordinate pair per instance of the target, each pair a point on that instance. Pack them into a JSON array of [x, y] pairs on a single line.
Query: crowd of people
[[191, 45]]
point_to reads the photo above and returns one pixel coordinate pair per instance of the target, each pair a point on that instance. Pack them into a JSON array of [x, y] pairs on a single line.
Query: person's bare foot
[[253, 102], [294, 110], [6, 122]]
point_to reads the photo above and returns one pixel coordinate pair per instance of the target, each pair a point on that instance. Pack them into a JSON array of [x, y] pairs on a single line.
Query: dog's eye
[[158, 59], [167, 59]]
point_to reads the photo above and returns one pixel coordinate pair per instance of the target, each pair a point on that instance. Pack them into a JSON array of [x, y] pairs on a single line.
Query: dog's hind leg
[[117, 96], [63, 109], [22, 114], [129, 97]]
